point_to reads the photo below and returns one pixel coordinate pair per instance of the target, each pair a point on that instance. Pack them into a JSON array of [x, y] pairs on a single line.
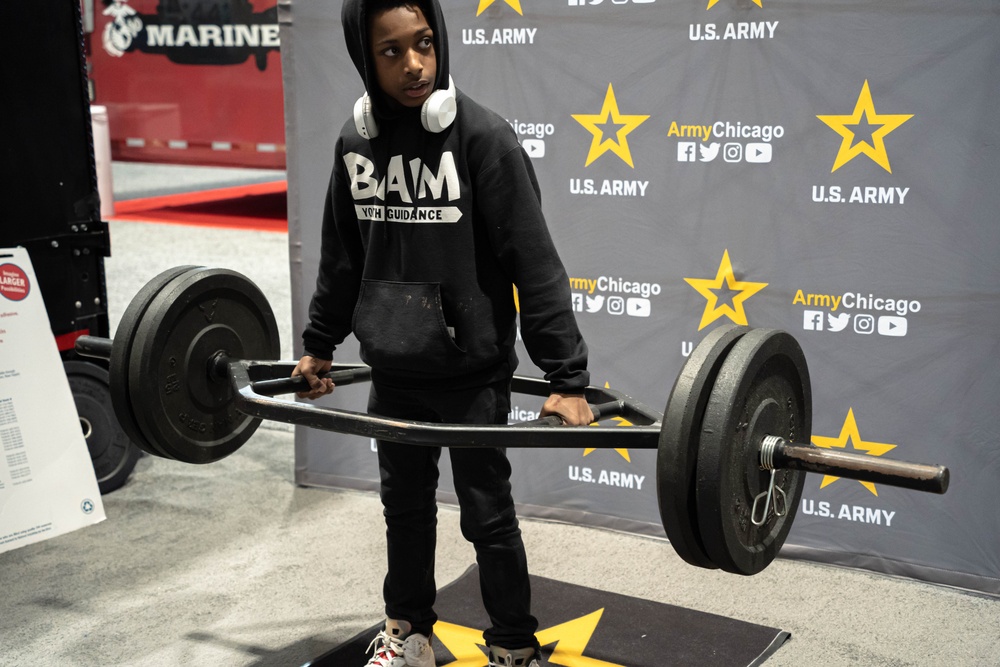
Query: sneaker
[[521, 657], [396, 647]]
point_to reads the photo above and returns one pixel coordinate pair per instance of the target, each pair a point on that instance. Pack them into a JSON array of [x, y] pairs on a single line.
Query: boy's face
[[403, 50]]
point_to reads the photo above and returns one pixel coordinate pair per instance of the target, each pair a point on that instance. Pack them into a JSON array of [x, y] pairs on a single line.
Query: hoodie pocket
[[401, 327]]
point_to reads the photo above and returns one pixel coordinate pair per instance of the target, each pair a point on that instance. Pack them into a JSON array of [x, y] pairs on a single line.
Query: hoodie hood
[[354, 16]]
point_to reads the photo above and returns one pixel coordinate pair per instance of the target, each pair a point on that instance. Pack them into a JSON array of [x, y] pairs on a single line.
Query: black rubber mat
[[581, 626]]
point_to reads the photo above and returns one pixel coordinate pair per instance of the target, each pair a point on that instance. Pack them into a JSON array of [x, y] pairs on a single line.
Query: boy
[[432, 214]]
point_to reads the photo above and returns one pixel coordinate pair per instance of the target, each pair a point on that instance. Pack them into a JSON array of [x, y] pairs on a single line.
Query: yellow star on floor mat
[[463, 643], [570, 638]]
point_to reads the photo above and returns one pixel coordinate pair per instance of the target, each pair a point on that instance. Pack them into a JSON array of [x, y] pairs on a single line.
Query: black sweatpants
[[409, 475]]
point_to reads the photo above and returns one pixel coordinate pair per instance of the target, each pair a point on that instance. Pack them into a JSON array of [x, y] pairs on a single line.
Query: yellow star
[[621, 422], [706, 287], [483, 4], [571, 639], [711, 3], [609, 114], [463, 643], [850, 432], [864, 109]]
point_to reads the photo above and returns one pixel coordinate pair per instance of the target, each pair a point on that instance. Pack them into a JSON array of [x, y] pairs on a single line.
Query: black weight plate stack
[[762, 389], [185, 408], [121, 353], [111, 452], [677, 452]]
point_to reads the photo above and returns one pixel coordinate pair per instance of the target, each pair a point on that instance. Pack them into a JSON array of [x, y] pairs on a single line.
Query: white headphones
[[437, 113]]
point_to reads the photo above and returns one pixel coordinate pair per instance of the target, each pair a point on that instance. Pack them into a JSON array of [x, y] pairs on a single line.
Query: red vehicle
[[189, 81]]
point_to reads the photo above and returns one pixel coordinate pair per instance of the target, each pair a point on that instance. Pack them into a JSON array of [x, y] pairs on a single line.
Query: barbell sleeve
[[779, 453], [94, 347]]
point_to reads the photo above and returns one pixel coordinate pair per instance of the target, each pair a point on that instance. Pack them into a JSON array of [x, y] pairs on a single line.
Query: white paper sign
[[47, 481]]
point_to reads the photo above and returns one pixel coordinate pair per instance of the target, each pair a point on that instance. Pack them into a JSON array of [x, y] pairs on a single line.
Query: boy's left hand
[[573, 409]]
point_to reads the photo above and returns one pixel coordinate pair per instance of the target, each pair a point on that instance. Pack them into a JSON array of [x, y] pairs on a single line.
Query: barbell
[[193, 371]]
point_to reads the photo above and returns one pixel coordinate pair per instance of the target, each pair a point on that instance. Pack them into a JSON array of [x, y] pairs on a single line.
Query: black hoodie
[[423, 237]]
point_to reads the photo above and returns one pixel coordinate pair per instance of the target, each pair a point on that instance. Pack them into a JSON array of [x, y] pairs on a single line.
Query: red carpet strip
[[261, 207]]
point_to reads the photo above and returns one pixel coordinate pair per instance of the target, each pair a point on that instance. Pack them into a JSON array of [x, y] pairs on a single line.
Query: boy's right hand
[[309, 367]]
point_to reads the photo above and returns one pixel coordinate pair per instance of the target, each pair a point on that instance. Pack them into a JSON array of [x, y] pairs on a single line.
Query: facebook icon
[[812, 320], [686, 151]]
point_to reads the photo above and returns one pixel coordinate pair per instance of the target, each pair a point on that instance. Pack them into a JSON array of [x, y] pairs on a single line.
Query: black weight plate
[[111, 452], [762, 389], [677, 452], [184, 408], [121, 352]]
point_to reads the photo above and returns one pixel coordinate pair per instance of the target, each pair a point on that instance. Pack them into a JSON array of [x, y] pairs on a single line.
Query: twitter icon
[[837, 323], [708, 153]]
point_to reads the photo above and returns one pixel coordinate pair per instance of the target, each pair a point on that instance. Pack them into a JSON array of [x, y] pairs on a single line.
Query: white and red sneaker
[[396, 646]]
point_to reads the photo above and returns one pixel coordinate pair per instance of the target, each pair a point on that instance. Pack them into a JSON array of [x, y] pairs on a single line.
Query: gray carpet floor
[[232, 564]]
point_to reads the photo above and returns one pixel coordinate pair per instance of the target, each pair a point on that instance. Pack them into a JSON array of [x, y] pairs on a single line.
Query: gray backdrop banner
[[830, 169]]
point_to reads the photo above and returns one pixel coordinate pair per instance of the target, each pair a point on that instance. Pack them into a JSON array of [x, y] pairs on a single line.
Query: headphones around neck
[[437, 113]]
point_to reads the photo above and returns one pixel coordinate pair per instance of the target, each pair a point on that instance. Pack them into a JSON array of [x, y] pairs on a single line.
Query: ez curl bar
[[192, 375]]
